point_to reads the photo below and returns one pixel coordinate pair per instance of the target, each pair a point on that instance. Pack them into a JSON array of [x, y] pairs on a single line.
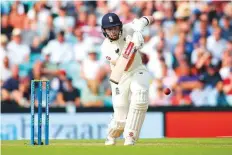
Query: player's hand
[[139, 24], [138, 40]]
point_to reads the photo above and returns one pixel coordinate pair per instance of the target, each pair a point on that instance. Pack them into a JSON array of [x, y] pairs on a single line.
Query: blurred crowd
[[188, 49]]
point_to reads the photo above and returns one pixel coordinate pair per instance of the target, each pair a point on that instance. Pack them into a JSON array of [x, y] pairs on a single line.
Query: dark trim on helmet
[[112, 25]]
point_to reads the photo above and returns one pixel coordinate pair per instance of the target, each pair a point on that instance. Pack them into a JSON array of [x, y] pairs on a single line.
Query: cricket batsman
[[130, 95]]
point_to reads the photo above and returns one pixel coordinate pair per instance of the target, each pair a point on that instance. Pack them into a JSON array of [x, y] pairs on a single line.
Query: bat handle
[[130, 61]]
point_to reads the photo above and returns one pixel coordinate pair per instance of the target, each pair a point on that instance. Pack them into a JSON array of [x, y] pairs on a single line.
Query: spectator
[[70, 7], [36, 46], [156, 94], [11, 84], [188, 45], [180, 56], [82, 19], [42, 16], [216, 44], [201, 23], [21, 96], [156, 56], [90, 99], [5, 70], [70, 36], [29, 31], [3, 49], [4, 61], [226, 63], [40, 13], [227, 88], [182, 24], [199, 51], [187, 80], [226, 27], [5, 7], [57, 83], [68, 94], [157, 25], [148, 9], [79, 8], [169, 19], [138, 7], [81, 47], [158, 6], [227, 9], [55, 6], [36, 72], [125, 12], [214, 24], [63, 22], [6, 28], [91, 71], [205, 59], [32, 14], [92, 30], [47, 33], [202, 31], [101, 9], [58, 50], [152, 43], [179, 98], [18, 52], [17, 15], [209, 93], [169, 77], [211, 77]]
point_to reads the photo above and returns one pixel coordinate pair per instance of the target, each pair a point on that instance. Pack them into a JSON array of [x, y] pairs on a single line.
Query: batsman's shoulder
[[105, 48], [105, 45]]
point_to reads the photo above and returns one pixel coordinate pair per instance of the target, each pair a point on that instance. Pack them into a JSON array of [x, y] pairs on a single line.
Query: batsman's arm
[[150, 19], [140, 24]]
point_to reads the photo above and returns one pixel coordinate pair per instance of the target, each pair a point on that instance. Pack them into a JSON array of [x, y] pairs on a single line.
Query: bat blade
[[121, 64]]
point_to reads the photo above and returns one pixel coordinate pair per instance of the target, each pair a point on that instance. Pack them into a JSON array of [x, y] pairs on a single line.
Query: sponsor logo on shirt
[[108, 58]]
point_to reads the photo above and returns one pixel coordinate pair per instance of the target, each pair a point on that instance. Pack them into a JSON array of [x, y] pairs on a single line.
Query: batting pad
[[136, 115]]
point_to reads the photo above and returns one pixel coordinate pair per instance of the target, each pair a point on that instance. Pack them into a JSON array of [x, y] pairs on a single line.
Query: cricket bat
[[123, 63]]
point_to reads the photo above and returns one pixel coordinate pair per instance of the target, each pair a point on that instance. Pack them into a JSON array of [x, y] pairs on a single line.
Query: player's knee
[[139, 99]]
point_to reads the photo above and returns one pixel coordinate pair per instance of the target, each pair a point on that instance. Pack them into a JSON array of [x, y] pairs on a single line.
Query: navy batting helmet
[[110, 20]]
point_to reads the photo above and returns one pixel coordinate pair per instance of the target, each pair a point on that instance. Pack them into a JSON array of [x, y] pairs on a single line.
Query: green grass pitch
[[166, 146]]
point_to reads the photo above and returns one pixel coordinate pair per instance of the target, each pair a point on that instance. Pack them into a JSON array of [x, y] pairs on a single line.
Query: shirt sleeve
[[104, 54]]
